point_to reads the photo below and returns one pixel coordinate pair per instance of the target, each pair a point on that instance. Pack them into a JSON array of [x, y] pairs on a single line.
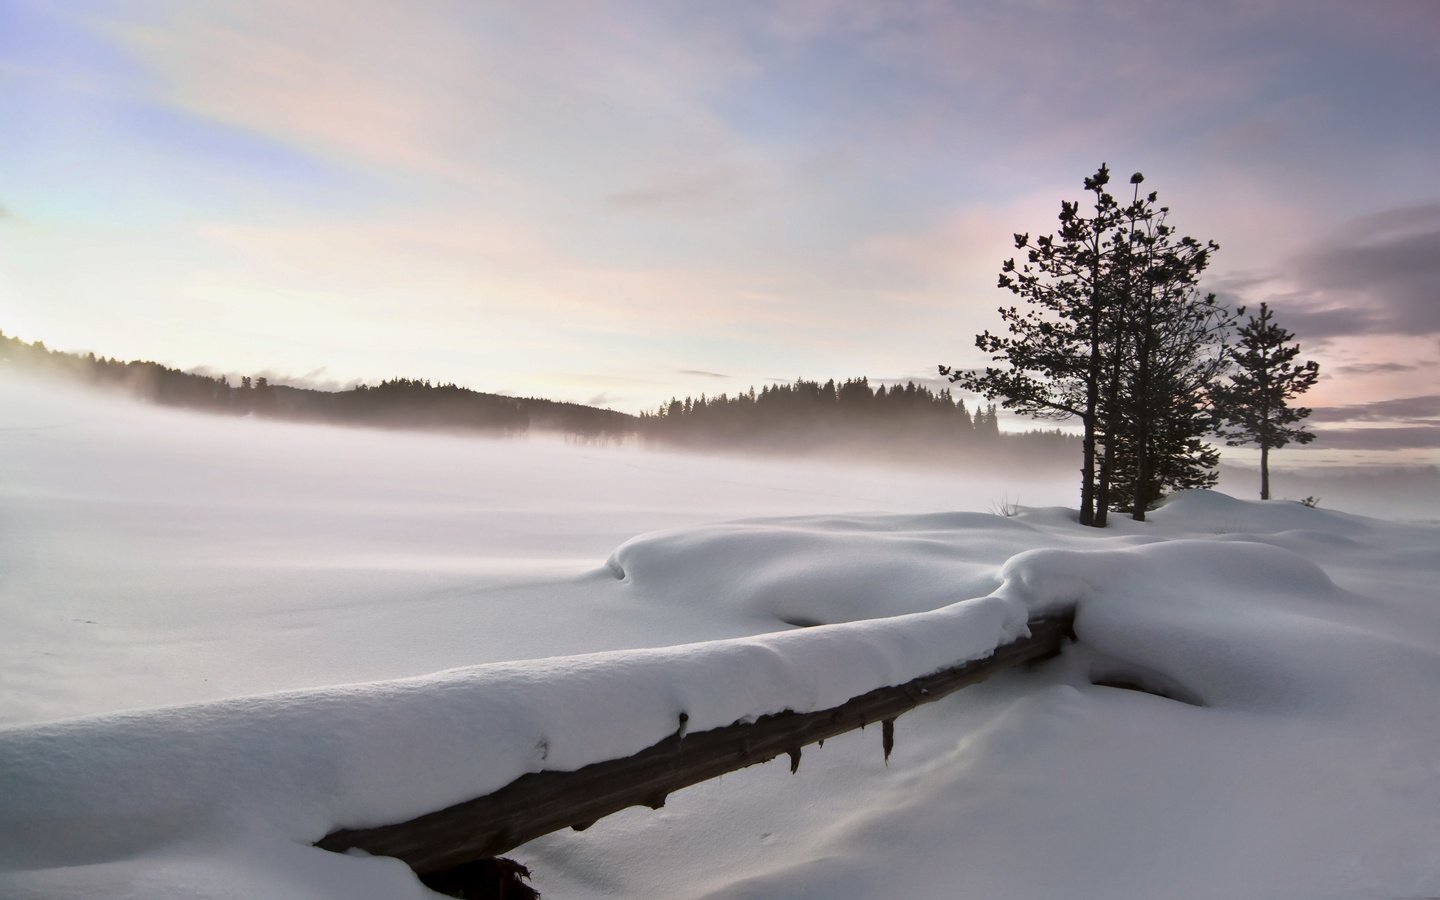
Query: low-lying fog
[[153, 556], [149, 557]]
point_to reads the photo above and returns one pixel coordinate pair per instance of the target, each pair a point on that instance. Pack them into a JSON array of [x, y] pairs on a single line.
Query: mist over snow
[[192, 557], [224, 638]]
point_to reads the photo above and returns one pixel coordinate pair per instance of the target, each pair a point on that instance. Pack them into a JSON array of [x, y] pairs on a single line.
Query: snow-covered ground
[[221, 639]]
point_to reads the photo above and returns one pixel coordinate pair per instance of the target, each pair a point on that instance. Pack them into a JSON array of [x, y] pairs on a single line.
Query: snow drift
[[1276, 738]]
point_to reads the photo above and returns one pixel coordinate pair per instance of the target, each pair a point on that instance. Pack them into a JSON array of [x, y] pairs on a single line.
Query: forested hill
[[901, 422], [398, 403]]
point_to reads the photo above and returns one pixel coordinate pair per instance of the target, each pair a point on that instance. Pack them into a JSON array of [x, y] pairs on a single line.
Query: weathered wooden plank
[[542, 802]]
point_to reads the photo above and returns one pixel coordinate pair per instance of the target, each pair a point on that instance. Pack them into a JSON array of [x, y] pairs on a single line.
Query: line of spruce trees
[[1114, 331], [809, 414]]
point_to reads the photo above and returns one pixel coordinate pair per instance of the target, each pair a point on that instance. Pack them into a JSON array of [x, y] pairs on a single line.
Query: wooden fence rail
[[542, 802]]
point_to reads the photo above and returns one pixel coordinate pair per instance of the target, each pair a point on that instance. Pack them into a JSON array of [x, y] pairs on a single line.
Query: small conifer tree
[[1254, 405]]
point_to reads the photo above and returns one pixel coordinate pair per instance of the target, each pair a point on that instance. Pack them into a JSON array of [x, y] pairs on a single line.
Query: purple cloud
[[1376, 368], [1424, 409], [1383, 277], [1410, 437]]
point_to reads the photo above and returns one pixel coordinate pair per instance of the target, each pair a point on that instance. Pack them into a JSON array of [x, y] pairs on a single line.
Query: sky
[[614, 203]]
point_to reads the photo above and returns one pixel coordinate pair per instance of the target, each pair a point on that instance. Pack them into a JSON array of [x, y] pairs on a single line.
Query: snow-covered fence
[[538, 803]]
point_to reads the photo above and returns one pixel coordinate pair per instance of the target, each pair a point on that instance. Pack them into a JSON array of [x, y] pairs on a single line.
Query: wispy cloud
[[470, 191], [1373, 368], [468, 93], [1422, 409], [1407, 437], [359, 83], [1379, 275], [708, 191]]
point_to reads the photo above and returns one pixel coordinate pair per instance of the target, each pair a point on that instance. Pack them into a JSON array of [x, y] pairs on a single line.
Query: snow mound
[[297, 765], [1297, 763], [1277, 739], [820, 570], [1199, 511]]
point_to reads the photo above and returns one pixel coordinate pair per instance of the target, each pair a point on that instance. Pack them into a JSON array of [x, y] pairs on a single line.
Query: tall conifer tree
[[1114, 333], [1055, 351]]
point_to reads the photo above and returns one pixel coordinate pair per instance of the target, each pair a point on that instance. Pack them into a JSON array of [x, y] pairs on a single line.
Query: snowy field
[[221, 639]]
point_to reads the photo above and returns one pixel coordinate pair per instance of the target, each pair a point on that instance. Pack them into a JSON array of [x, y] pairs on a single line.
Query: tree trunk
[[1143, 491], [1092, 506], [1089, 506], [542, 802], [1144, 443], [1087, 476], [1102, 492], [1143, 392], [1264, 471], [1112, 428]]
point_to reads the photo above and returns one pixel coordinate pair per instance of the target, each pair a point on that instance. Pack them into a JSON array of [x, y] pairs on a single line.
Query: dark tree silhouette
[[905, 422], [1254, 405], [1113, 333], [1173, 345], [1058, 344]]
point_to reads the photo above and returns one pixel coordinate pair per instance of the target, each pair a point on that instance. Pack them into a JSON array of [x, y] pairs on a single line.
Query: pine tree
[[1055, 352], [1115, 334], [1174, 344], [1253, 406]]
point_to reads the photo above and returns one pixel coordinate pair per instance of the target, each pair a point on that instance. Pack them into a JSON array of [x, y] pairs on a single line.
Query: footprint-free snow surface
[[222, 639]]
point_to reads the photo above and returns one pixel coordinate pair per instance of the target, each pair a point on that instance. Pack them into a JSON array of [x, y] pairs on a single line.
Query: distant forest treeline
[[398, 403], [796, 413], [844, 418]]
